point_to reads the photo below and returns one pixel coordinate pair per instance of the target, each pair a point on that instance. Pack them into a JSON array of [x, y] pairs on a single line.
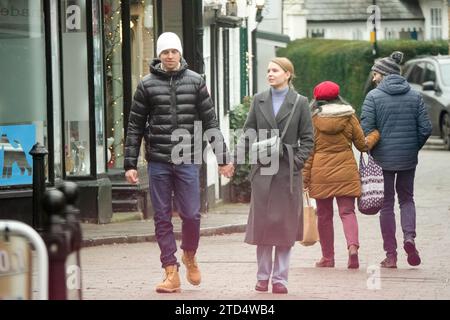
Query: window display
[[75, 92], [23, 101]]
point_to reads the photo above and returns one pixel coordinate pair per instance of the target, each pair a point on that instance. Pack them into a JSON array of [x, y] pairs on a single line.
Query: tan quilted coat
[[331, 170]]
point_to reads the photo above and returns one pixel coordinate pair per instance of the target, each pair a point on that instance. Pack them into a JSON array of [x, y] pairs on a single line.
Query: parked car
[[430, 75]]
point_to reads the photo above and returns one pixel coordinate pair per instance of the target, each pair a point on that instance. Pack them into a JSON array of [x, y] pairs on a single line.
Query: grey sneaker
[[389, 262], [411, 251]]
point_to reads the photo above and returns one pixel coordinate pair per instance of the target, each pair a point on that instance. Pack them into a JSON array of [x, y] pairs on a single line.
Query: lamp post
[[40, 219], [258, 18], [259, 8], [373, 33]]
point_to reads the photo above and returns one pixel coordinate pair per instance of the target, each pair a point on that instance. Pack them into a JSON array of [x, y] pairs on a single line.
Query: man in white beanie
[[168, 40], [171, 98]]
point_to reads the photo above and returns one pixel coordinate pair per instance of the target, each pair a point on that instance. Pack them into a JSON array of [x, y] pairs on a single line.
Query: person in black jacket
[[171, 104]]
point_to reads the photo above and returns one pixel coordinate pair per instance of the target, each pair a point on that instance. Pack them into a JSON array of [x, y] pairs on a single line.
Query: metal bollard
[[72, 224], [57, 239], [40, 220]]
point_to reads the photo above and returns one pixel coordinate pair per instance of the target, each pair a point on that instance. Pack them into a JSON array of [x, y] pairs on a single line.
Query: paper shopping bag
[[310, 230]]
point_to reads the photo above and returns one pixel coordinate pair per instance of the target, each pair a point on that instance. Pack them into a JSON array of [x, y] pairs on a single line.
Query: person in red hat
[[331, 171]]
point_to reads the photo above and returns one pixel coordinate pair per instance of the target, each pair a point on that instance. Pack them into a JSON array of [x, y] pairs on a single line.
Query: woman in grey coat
[[275, 218]]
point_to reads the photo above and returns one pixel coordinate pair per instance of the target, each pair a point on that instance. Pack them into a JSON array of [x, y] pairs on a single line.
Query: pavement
[[227, 218], [130, 227], [121, 271], [120, 260]]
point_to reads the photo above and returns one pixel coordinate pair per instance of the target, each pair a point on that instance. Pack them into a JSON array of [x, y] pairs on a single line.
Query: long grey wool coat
[[276, 214]]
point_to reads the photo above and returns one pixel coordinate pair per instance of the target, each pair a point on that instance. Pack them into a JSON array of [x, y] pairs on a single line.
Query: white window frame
[[436, 23]]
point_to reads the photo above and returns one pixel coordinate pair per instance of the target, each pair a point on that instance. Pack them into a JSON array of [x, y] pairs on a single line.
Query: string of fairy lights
[[113, 42]]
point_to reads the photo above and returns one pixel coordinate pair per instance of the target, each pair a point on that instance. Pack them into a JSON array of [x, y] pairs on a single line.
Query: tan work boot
[[192, 271], [171, 283]]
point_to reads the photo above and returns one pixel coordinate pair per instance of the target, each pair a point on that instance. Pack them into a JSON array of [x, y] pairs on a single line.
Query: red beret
[[326, 90]]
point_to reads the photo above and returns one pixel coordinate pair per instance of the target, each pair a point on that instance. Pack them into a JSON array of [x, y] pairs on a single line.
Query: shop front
[[69, 69], [52, 93]]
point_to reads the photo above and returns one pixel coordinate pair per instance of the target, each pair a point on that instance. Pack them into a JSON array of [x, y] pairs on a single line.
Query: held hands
[[132, 176], [227, 170], [367, 142]]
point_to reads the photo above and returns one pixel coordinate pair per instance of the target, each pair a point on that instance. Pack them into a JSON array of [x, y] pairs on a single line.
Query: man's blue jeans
[[183, 181], [403, 183]]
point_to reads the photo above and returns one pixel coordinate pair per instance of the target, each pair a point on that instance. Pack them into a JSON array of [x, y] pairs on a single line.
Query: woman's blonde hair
[[286, 65]]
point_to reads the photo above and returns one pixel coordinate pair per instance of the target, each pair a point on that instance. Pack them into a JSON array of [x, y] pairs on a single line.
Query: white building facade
[[353, 20]]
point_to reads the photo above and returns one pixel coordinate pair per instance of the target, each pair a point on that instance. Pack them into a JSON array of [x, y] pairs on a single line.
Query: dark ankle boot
[[353, 261], [262, 285], [325, 263]]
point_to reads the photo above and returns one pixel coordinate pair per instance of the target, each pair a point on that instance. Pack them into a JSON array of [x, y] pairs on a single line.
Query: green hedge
[[347, 62]]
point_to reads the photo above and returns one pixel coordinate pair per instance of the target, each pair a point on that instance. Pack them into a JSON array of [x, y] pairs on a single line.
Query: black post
[[57, 241], [126, 63], [254, 61], [73, 226], [226, 69], [374, 35], [40, 220]]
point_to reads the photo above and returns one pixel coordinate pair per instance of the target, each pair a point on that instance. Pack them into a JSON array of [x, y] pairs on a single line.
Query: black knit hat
[[389, 65]]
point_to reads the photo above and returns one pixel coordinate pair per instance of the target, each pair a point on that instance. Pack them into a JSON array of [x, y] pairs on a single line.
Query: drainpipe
[[199, 67]]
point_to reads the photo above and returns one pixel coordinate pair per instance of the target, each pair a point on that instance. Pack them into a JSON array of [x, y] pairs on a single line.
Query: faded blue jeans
[[401, 182], [183, 181]]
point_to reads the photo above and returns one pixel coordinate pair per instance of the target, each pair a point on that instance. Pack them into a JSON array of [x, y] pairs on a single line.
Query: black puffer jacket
[[167, 101]]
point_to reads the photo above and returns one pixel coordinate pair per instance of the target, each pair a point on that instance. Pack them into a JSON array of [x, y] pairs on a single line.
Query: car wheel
[[446, 130]]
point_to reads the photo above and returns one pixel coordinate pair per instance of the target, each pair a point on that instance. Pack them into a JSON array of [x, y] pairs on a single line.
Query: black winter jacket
[[164, 103]]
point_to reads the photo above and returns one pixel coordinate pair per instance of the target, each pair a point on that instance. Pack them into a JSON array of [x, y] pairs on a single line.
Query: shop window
[[75, 91], [142, 47], [99, 103], [23, 100]]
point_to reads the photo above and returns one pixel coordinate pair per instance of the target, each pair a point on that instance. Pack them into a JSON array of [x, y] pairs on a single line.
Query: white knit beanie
[[168, 40]]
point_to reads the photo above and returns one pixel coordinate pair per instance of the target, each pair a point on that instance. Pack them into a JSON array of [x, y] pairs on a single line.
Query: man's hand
[[132, 176], [227, 170]]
